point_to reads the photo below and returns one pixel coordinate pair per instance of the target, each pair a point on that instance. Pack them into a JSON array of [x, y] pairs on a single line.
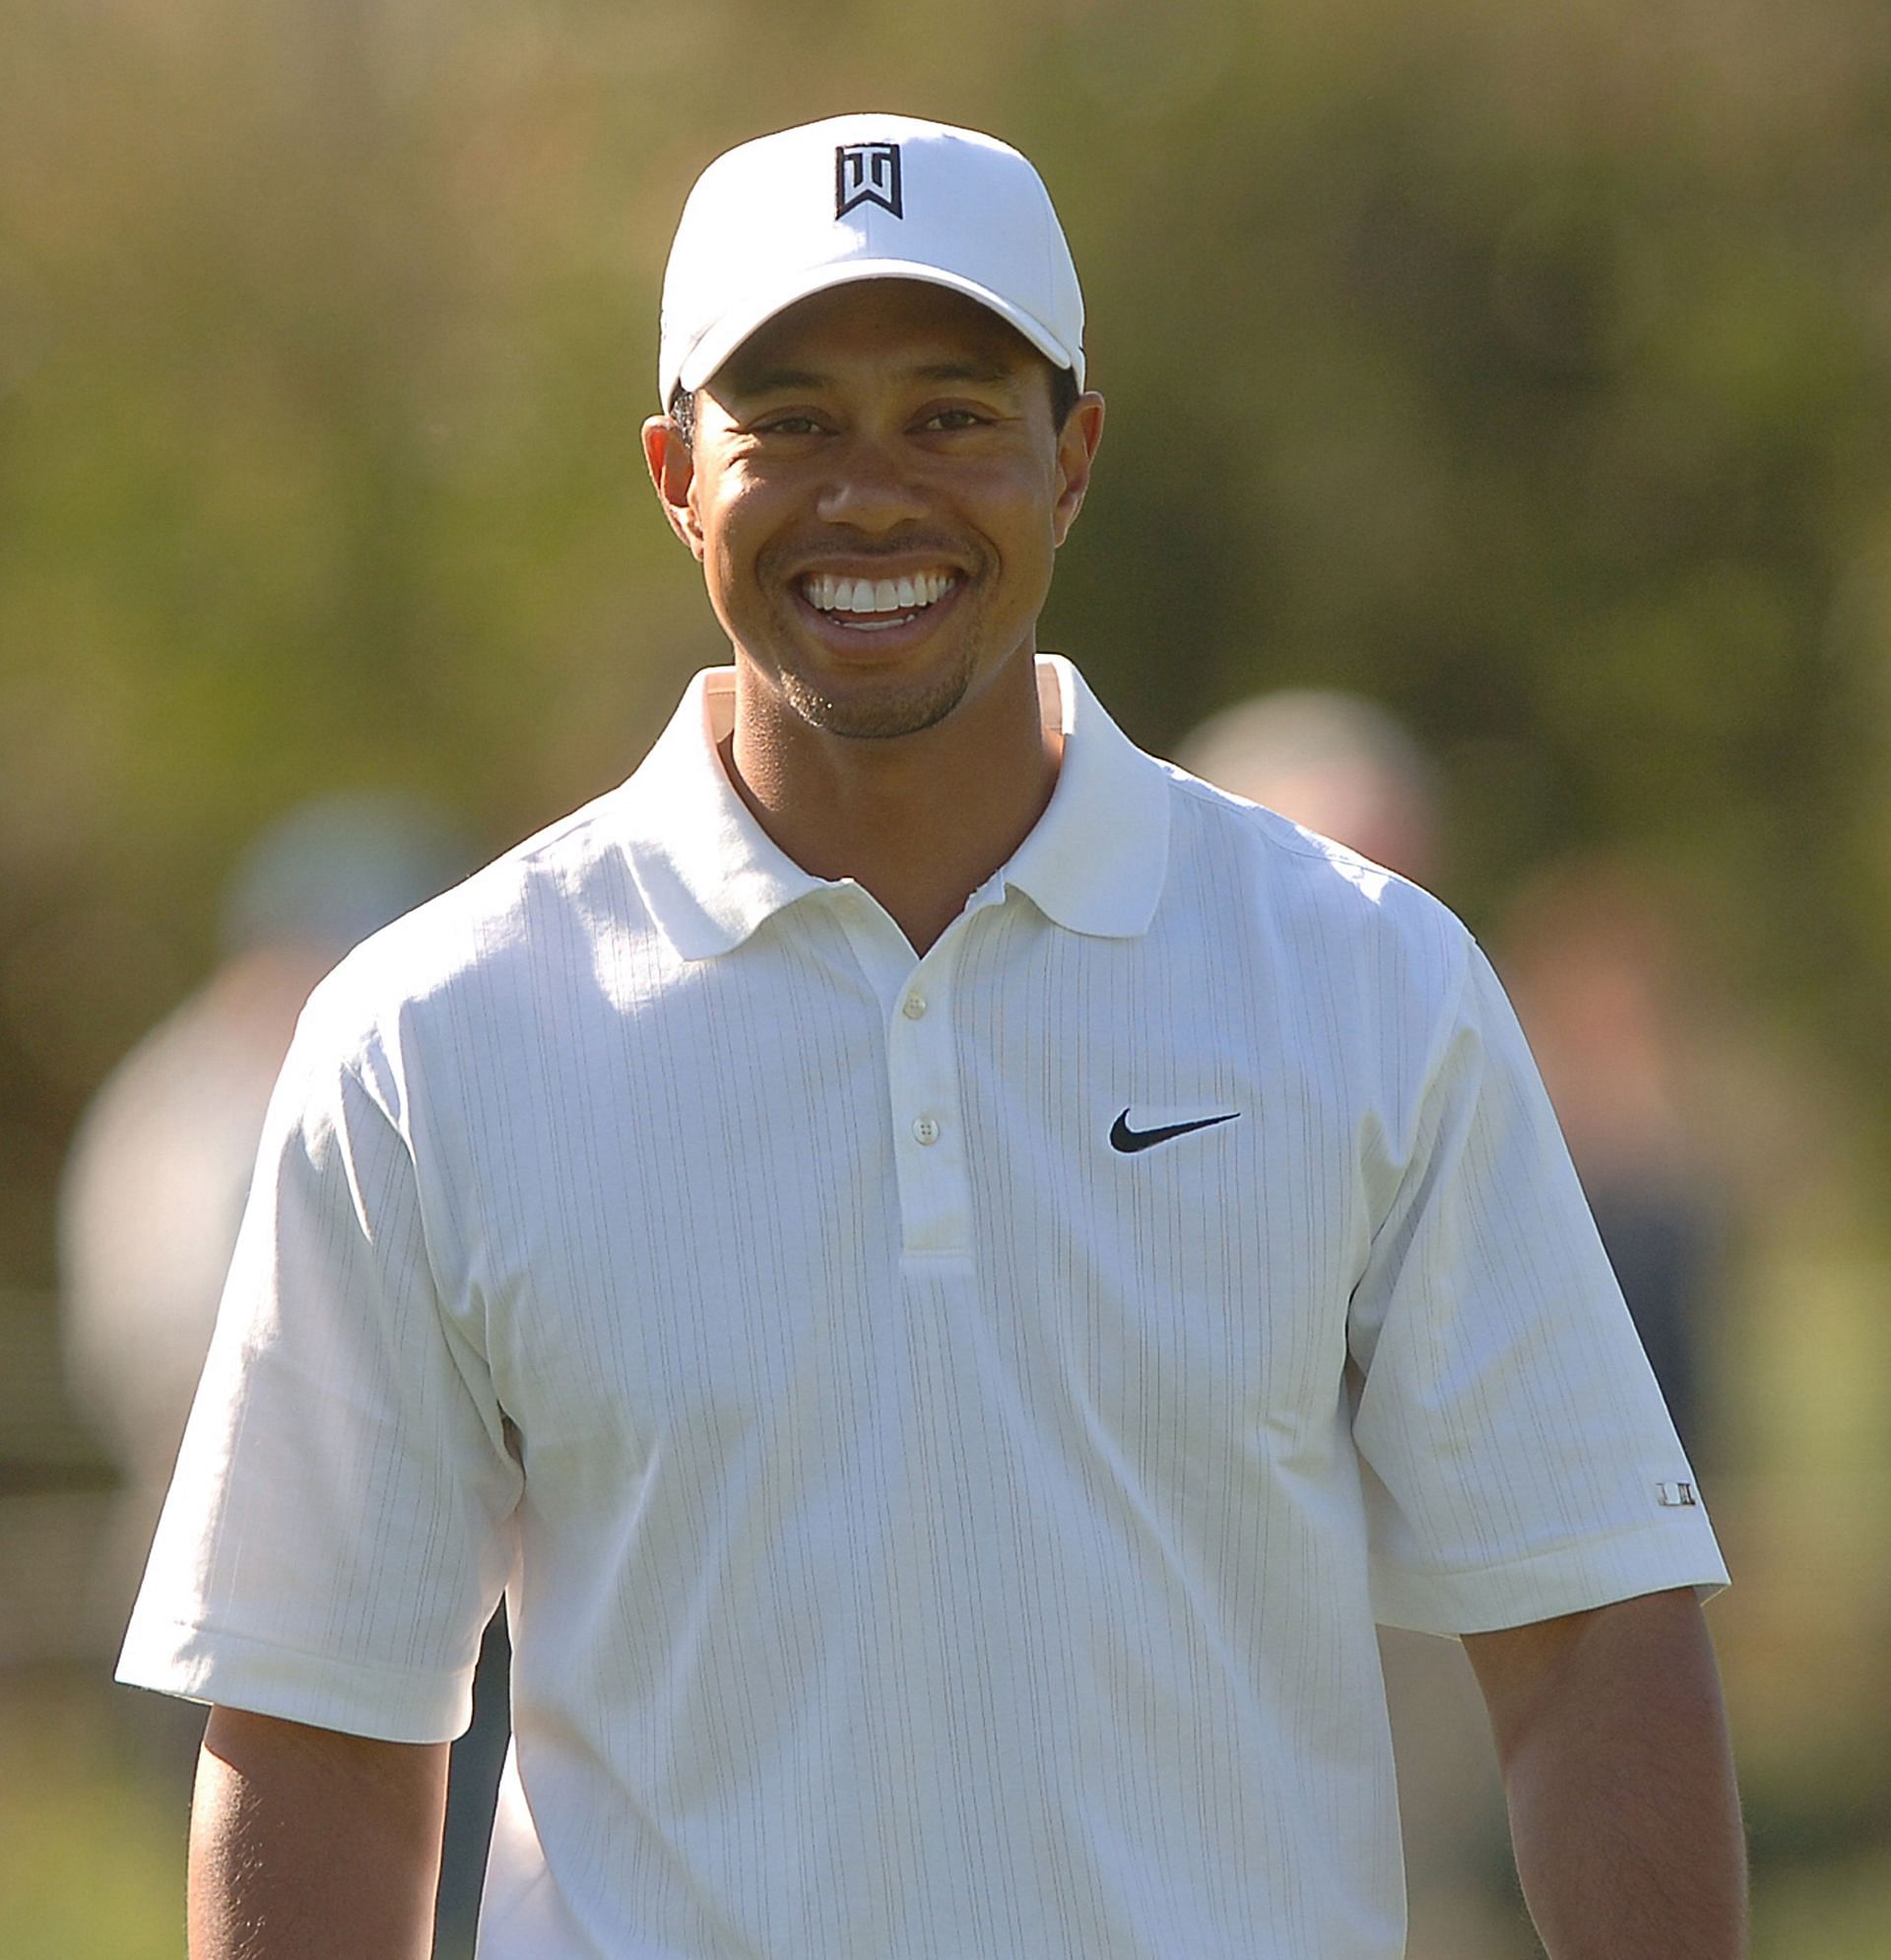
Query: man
[[948, 1268]]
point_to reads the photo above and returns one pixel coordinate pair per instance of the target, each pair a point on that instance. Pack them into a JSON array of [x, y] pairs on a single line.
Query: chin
[[876, 711]]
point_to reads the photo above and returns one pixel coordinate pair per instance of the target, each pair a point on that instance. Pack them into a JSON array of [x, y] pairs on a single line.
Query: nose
[[871, 487]]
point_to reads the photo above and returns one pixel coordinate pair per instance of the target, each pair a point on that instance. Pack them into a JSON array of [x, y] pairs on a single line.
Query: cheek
[[727, 579], [1026, 531], [732, 533]]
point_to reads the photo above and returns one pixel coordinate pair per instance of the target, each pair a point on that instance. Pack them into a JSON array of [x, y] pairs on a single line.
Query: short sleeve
[[339, 1527], [1518, 1458]]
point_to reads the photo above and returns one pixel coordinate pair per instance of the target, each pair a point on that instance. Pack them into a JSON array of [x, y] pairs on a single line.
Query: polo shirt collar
[[1095, 860], [711, 875], [708, 872]]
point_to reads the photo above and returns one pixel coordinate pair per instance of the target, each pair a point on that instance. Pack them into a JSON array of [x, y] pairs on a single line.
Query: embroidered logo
[[1676, 1496], [1128, 1140], [866, 173]]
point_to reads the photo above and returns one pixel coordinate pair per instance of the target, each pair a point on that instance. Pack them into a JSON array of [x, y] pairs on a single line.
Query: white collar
[[1094, 862]]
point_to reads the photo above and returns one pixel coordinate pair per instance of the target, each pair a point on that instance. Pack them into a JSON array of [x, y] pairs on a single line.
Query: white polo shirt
[[946, 1426]]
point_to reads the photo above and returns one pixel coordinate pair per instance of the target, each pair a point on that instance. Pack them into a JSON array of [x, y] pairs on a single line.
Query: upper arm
[[305, 1841], [1654, 1643], [247, 1742], [340, 1784]]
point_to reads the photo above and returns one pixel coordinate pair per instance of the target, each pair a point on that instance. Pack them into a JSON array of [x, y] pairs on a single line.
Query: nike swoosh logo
[[1128, 1140]]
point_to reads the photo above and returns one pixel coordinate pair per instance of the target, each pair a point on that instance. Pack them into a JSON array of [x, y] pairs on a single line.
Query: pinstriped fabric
[[930, 1530]]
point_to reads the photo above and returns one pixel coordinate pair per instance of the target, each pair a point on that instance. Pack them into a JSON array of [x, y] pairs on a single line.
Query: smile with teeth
[[870, 604]]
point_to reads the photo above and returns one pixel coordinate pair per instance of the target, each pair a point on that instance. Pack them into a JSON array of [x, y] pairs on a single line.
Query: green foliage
[[92, 1857], [1523, 367]]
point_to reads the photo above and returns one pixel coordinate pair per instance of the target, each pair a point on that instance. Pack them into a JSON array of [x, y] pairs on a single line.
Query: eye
[[787, 424], [952, 419]]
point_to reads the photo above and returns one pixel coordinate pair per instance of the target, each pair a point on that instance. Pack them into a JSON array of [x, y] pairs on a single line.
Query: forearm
[[1619, 1775], [305, 1844]]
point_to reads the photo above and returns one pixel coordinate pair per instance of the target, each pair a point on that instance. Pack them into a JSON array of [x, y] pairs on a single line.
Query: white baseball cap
[[864, 197]]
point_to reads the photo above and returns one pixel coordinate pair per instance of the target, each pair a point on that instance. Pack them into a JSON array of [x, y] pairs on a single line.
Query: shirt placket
[[921, 1078]]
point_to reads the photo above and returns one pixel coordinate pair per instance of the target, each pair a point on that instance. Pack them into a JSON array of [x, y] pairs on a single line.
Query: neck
[[919, 820]]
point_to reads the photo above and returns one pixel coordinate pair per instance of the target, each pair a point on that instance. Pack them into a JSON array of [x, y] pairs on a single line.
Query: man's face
[[875, 493]]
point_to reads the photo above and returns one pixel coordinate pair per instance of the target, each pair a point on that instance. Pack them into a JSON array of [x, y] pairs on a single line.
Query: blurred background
[[1499, 463]]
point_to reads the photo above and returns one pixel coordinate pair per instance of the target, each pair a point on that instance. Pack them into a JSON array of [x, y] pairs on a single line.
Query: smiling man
[[877, 483], [949, 1271]]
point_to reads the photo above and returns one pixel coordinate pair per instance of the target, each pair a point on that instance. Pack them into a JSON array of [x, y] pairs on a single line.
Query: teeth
[[828, 594]]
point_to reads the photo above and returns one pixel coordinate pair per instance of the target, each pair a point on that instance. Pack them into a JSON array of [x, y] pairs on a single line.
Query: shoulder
[[486, 951], [1334, 914]]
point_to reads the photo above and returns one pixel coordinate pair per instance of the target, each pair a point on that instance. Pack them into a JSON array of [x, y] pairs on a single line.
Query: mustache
[[793, 560]]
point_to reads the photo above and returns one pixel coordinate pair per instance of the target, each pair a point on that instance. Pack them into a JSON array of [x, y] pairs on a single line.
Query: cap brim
[[715, 346]]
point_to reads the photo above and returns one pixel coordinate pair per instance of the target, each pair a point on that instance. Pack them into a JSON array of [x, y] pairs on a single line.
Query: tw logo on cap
[[866, 173]]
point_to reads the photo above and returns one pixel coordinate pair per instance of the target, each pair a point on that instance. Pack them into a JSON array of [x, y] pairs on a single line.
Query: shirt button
[[925, 1130], [913, 1006]]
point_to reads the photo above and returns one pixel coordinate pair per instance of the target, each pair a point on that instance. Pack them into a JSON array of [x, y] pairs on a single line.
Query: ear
[[673, 470], [1077, 444]]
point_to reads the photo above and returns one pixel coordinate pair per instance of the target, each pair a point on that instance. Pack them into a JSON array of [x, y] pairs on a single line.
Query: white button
[[925, 1130], [913, 1006]]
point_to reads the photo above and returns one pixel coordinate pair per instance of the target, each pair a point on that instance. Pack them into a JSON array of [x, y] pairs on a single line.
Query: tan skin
[[305, 1844], [1618, 1773], [878, 429]]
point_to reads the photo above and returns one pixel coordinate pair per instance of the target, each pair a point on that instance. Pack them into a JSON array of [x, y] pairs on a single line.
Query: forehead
[[897, 325]]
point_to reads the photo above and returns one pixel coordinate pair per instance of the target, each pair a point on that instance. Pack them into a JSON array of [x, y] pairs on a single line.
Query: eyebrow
[[786, 380], [776, 380], [967, 371]]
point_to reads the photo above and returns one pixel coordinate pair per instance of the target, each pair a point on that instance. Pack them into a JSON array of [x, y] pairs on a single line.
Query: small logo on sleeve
[[1676, 1496], [866, 173]]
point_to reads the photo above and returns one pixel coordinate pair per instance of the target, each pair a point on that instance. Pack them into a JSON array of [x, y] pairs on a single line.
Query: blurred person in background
[[1597, 961], [154, 1192], [1343, 765]]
